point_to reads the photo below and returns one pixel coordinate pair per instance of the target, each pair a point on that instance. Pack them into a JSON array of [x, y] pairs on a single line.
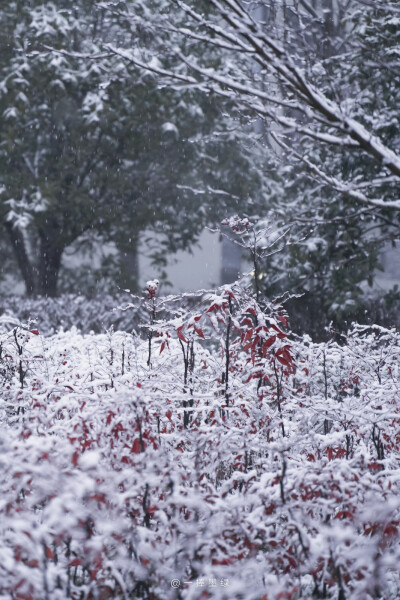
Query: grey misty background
[[110, 177]]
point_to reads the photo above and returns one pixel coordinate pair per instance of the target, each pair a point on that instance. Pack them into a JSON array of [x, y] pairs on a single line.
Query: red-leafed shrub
[[217, 456]]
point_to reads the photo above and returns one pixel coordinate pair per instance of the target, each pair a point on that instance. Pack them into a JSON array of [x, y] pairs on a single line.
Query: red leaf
[[269, 342], [283, 361], [248, 335], [75, 562], [375, 466], [391, 529], [136, 448], [34, 331], [99, 497], [343, 514], [180, 334], [32, 563], [221, 561], [109, 417], [75, 457], [49, 553], [199, 332], [247, 321], [291, 561]]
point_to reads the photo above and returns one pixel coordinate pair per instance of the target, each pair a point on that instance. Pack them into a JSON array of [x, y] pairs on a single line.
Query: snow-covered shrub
[[218, 457], [98, 314]]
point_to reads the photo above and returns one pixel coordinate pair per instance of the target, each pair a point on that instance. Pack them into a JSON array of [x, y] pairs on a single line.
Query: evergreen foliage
[[93, 151]]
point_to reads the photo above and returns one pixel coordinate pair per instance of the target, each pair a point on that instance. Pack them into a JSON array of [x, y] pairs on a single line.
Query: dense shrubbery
[[218, 451], [51, 314], [99, 313]]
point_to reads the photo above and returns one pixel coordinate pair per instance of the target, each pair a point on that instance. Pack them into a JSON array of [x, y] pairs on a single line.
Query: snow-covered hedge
[[220, 457], [97, 314]]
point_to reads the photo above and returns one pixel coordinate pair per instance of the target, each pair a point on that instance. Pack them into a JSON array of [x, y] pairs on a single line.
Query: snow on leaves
[[282, 481], [152, 287]]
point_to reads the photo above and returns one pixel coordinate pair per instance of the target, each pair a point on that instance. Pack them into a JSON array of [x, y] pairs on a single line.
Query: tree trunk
[[24, 264], [42, 280], [129, 274], [49, 266]]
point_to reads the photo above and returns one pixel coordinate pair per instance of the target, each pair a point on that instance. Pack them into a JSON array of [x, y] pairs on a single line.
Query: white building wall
[[200, 269]]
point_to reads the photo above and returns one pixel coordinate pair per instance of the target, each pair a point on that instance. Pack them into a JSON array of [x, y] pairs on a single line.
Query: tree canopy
[[92, 148], [321, 83]]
